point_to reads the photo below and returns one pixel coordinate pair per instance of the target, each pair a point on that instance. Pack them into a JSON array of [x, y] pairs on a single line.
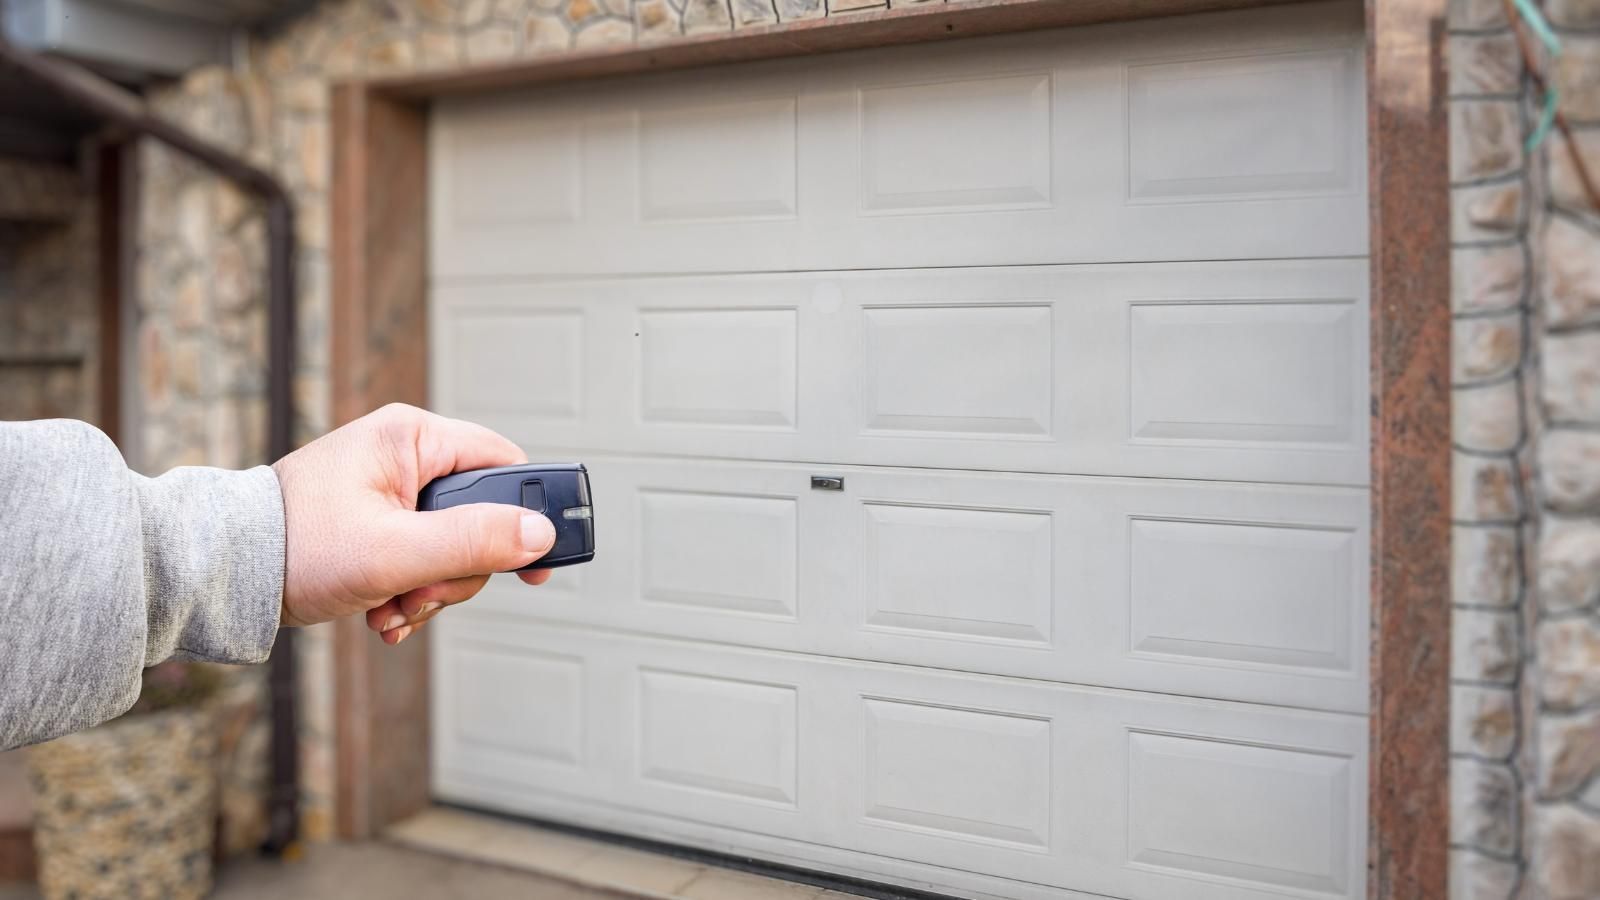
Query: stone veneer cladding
[[1526, 404]]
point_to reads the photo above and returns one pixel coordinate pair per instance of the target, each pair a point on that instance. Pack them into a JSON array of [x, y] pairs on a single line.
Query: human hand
[[356, 543]]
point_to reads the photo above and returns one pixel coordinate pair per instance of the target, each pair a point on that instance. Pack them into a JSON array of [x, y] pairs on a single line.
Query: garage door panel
[[513, 714], [1105, 791], [1237, 136], [1219, 590], [1242, 371], [719, 551], [981, 574]]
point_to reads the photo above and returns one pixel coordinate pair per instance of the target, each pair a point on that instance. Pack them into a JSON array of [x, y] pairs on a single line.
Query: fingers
[[439, 595], [447, 445], [476, 539], [401, 616]]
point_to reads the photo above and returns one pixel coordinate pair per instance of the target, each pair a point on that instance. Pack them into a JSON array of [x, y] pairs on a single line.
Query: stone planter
[[128, 810]]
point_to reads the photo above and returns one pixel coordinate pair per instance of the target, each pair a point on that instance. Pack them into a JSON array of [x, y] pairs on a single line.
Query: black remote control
[[559, 490]]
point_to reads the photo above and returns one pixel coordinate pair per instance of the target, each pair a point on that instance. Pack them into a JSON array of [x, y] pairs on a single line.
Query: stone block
[[1487, 212], [1488, 279], [1566, 188], [1566, 853], [579, 12], [188, 302], [388, 53], [473, 13], [655, 20], [1571, 382], [493, 43], [1474, 876], [187, 364], [1573, 13], [1569, 753], [1485, 489], [790, 10], [605, 33], [754, 12], [155, 367], [1569, 662], [1485, 646], [1485, 139], [1483, 806], [1476, 14], [1569, 470], [545, 34], [1487, 418], [700, 16], [438, 49], [1483, 721], [1577, 75], [1484, 570], [1485, 64], [1569, 565], [1571, 274], [1486, 348]]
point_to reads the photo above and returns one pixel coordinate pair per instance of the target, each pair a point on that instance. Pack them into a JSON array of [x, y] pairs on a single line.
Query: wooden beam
[[380, 346]]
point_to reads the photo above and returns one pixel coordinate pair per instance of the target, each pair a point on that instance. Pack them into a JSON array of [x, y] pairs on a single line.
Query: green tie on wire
[[1552, 44]]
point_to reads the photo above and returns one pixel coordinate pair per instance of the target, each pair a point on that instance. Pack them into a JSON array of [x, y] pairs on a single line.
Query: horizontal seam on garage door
[[593, 628], [552, 452], [490, 279]]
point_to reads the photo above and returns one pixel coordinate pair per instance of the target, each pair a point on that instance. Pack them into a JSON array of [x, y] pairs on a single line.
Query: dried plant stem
[[1578, 164]]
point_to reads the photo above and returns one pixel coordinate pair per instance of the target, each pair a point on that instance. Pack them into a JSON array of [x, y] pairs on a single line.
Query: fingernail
[[538, 535], [402, 634], [429, 607], [395, 620]]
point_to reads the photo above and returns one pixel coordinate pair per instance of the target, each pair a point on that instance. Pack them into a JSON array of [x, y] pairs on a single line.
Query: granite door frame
[[380, 355]]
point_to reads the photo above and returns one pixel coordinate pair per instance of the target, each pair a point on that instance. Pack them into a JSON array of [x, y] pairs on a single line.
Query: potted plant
[[128, 809]]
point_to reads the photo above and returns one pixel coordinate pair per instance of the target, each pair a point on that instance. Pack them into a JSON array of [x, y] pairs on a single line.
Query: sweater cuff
[[214, 563]]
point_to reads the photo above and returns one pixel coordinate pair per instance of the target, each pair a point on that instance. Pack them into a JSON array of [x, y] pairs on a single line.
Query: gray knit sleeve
[[104, 571]]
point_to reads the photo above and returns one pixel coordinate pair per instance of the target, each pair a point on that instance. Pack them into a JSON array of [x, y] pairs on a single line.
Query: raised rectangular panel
[[1245, 372], [1250, 126], [968, 145], [528, 362], [1238, 592], [969, 774], [718, 367], [975, 574], [1274, 816], [736, 738], [731, 161], [513, 168], [985, 370], [728, 552], [516, 700]]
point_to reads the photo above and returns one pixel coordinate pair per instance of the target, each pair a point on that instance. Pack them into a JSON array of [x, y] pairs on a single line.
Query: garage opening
[[978, 434]]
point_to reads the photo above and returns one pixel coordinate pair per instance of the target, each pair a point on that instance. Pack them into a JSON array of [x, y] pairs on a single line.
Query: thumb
[[475, 539]]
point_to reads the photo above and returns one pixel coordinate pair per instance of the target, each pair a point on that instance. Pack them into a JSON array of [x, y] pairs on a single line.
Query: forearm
[[103, 572]]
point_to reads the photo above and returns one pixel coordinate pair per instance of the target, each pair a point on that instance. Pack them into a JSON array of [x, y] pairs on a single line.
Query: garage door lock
[[827, 483]]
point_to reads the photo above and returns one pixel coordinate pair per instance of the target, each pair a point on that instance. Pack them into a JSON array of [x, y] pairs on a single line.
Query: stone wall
[[1526, 398], [1526, 359], [48, 302]]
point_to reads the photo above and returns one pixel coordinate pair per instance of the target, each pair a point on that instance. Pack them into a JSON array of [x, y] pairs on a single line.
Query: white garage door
[[1080, 320]]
